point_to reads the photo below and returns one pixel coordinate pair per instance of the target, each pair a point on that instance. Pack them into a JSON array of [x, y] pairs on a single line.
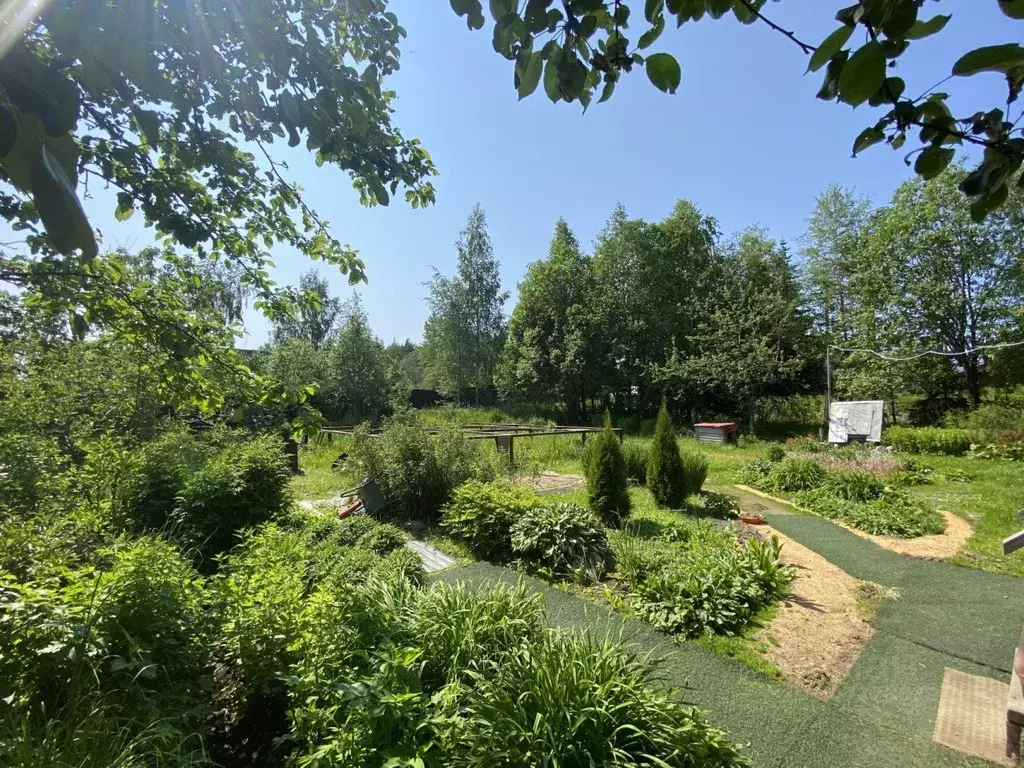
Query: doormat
[[972, 716]]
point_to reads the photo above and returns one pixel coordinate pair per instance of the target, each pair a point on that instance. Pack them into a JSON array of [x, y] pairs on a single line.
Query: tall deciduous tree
[[555, 347], [358, 367], [176, 106], [834, 237], [466, 327], [751, 345], [654, 282], [955, 283], [316, 319]]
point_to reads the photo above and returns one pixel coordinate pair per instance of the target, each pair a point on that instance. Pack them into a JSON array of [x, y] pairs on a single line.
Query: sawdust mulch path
[[818, 632]]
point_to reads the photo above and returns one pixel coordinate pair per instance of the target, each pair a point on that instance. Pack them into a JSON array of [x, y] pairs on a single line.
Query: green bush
[[570, 701], [821, 502], [241, 486], [636, 456], [989, 417], [890, 514], [141, 624], [417, 472], [795, 475], [756, 472], [695, 470], [165, 466], [854, 486], [348, 531], [636, 558], [382, 540], [666, 479], [897, 515], [482, 514], [399, 564], [775, 453], [713, 585], [1008, 451], [938, 440], [563, 539], [607, 487]]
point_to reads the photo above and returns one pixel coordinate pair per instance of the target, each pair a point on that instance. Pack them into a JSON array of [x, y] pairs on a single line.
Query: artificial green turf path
[[884, 713]]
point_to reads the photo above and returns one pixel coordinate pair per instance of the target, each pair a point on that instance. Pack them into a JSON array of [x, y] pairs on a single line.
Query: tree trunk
[[972, 370]]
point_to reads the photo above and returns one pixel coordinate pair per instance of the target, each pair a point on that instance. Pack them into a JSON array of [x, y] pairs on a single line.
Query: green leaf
[[472, 10], [923, 29], [868, 137], [499, 9], [290, 108], [718, 8], [606, 92], [528, 73], [988, 202], [648, 38], [125, 207], [744, 14], [851, 15], [863, 74], [992, 58], [59, 207], [829, 47], [899, 20], [8, 131], [588, 25], [551, 79], [149, 125], [652, 9], [663, 71], [933, 161], [1013, 8], [974, 183], [536, 15], [830, 85]]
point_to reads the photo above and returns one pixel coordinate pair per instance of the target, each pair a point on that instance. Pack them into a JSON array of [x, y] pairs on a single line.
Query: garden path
[[883, 715]]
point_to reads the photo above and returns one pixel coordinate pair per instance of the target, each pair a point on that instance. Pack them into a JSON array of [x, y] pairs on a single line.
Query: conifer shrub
[[607, 485], [666, 477]]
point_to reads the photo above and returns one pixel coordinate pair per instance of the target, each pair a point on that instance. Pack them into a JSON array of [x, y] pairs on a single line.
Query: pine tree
[[665, 477], [606, 477]]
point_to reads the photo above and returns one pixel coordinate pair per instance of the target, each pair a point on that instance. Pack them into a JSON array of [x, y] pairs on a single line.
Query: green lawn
[[990, 501]]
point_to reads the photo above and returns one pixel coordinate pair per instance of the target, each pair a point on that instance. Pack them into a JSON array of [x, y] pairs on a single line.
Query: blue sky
[[744, 138]]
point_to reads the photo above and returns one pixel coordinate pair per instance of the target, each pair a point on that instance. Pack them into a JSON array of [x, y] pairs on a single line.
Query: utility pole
[[828, 388]]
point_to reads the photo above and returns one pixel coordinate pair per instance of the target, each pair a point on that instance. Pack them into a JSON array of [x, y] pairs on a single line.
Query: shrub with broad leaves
[[241, 486], [482, 515], [416, 471], [562, 539]]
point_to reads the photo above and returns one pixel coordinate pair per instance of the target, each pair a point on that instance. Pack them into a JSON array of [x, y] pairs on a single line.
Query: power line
[[935, 352]]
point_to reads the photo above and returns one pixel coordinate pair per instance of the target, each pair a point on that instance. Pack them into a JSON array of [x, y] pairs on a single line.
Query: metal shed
[[720, 432]]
